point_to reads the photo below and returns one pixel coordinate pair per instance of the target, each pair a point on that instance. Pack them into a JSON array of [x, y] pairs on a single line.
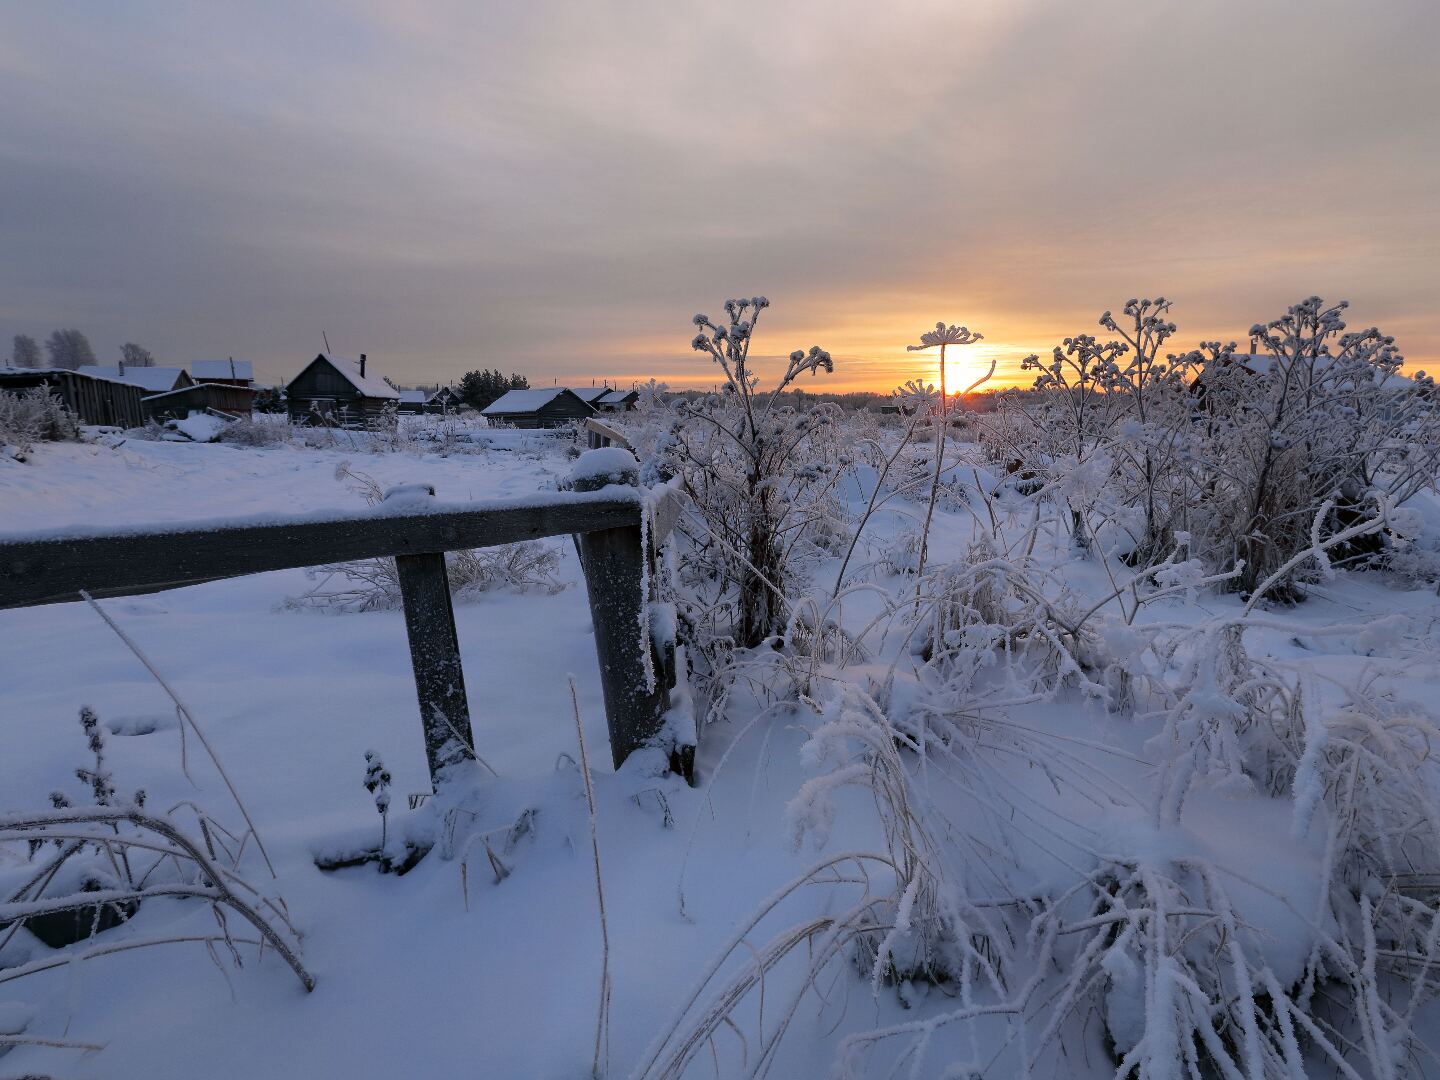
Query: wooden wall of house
[[224, 397], [92, 401], [351, 412], [320, 380], [562, 410]]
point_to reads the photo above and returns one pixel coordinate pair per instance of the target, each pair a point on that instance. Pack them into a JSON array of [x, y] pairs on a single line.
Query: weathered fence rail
[[601, 434], [50, 568]]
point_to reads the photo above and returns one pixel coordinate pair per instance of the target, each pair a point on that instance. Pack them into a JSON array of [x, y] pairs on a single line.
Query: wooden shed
[[92, 400], [151, 380], [345, 392], [228, 398], [538, 408]]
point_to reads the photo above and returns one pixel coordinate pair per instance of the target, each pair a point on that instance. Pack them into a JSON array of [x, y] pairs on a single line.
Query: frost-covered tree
[[69, 349], [136, 355], [25, 352], [746, 456]]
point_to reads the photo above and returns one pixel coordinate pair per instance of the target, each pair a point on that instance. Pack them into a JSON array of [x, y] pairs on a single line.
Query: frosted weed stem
[[602, 1024]]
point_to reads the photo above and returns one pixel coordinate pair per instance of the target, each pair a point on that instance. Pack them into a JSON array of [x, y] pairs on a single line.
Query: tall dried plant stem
[[602, 1024], [939, 466], [189, 718]]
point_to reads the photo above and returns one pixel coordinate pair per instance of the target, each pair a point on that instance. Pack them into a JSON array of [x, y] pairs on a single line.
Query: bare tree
[[25, 353], [69, 349], [132, 355]]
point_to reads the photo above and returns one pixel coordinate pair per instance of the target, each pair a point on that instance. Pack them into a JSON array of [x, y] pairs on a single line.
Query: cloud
[[555, 188]]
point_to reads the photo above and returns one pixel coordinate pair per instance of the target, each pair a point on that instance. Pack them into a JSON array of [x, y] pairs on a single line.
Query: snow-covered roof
[[221, 369], [369, 384], [444, 391], [414, 397], [154, 379], [590, 394], [522, 401], [616, 397], [227, 387]]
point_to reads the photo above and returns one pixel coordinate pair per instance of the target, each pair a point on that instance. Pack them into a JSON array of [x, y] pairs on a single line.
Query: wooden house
[[618, 401], [229, 398], [341, 391], [413, 401], [445, 400], [152, 380], [90, 399], [230, 372], [548, 408]]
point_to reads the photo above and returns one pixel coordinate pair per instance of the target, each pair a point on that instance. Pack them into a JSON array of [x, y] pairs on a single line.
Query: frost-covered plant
[[89, 869], [377, 782], [31, 416], [926, 930], [1320, 415], [942, 336], [1153, 443], [753, 465], [1072, 416], [259, 429]]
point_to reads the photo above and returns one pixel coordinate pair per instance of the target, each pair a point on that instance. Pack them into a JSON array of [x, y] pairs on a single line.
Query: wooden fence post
[[435, 655], [637, 697]]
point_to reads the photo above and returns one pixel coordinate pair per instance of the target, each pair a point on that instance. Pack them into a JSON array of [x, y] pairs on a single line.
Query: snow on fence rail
[[609, 524]]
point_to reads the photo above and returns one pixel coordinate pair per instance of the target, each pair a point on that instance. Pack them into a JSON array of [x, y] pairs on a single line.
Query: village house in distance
[[546, 408], [341, 391]]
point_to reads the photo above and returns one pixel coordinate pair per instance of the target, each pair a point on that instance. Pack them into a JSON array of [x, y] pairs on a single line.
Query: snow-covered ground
[[442, 972]]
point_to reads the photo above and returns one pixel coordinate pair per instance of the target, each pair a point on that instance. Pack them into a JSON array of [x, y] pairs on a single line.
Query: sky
[[556, 188]]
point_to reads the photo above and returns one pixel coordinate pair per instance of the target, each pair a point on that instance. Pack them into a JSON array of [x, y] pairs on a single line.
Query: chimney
[[120, 368], [362, 365]]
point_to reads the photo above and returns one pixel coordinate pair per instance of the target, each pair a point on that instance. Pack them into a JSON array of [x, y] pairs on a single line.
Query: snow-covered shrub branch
[[32, 416]]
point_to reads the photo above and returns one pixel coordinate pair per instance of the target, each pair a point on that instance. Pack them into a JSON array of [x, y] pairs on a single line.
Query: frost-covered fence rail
[[56, 567], [601, 435]]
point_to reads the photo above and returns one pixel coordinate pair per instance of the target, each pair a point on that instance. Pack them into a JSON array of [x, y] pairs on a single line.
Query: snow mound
[[608, 465]]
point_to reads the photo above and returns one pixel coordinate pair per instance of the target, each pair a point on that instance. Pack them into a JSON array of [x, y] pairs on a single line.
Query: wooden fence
[[600, 434], [608, 525]]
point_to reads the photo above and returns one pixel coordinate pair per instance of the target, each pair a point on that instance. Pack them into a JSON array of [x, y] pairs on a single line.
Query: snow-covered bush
[[34, 415], [258, 429], [1320, 415]]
